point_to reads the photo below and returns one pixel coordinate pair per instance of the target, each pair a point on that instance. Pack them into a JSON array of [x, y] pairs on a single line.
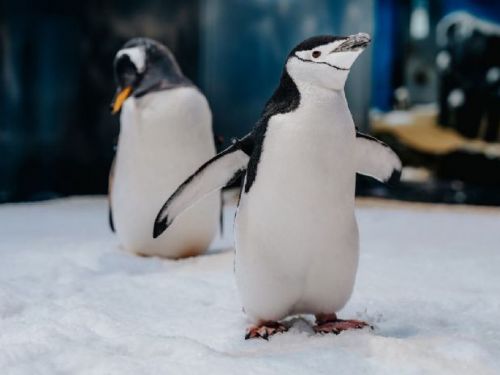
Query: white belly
[[296, 233], [164, 138]]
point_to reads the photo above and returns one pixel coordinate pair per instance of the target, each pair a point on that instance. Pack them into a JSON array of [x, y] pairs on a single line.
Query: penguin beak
[[120, 98], [354, 42]]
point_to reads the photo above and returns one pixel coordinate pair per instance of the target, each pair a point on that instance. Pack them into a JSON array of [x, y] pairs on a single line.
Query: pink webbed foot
[[265, 330], [329, 323]]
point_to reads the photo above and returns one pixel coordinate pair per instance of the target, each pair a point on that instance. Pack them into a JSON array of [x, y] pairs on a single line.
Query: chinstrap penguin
[[296, 236], [165, 133]]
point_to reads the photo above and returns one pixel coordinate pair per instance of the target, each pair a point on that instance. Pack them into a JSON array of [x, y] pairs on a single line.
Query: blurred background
[[429, 85]]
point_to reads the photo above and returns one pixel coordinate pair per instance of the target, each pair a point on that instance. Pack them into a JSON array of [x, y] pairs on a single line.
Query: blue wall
[[245, 44]]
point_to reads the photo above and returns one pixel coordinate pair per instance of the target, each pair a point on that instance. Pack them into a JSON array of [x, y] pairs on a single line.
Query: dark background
[[56, 131]]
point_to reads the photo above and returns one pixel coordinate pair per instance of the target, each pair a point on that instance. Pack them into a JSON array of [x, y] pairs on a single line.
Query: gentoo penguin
[[295, 229], [165, 133]]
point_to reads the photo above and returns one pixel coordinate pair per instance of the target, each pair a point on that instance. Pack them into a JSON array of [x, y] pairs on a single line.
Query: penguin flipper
[[376, 159], [214, 174], [110, 189], [110, 220]]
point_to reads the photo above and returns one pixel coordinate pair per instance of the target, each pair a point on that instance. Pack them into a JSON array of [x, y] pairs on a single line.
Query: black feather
[[110, 219], [285, 99], [316, 41]]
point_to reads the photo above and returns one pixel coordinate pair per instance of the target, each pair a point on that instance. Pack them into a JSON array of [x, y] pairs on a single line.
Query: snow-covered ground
[[71, 302]]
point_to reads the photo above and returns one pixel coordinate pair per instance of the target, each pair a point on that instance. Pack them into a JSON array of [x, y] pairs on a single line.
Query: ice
[[71, 302]]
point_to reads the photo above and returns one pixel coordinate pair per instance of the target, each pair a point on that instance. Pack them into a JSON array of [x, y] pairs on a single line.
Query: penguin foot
[[329, 323], [265, 330]]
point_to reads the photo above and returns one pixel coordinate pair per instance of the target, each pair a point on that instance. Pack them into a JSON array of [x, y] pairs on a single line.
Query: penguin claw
[[340, 325], [265, 330]]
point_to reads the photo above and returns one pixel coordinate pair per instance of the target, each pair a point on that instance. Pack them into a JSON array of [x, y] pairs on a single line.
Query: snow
[[71, 302]]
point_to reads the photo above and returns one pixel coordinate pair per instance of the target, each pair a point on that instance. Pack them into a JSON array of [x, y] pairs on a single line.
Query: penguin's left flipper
[[110, 189], [376, 159], [214, 174], [110, 219]]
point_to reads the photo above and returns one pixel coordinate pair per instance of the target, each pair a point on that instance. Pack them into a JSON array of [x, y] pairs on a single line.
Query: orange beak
[[120, 98]]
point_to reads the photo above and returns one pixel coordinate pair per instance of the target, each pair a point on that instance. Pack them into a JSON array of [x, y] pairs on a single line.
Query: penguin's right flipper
[[216, 173]]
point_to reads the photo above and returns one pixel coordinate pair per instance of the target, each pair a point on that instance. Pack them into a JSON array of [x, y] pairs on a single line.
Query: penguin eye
[[316, 54]]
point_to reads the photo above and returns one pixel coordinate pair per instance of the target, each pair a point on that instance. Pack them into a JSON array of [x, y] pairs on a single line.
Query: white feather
[[375, 159], [137, 55], [296, 234], [164, 137]]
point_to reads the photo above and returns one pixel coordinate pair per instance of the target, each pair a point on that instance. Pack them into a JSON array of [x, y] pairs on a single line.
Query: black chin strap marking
[[322, 62]]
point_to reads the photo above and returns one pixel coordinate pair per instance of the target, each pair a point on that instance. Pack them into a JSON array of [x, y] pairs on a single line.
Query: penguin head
[[325, 61], [141, 66]]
